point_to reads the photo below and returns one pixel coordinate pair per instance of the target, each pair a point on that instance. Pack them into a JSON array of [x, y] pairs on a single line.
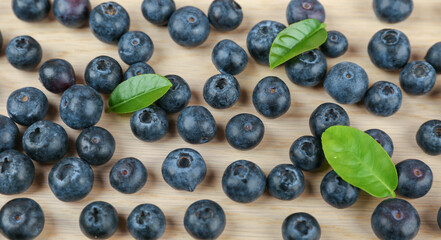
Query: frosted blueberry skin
[[221, 91], [428, 137], [149, 124], [138, 69], [24, 53], [103, 74], [196, 125], [308, 69], [325, 116], [98, 220], [146, 221], [31, 10], [205, 219], [9, 132], [225, 15], [229, 58], [306, 153], [433, 56], [383, 99], [27, 105], [135, 46], [337, 192], [95, 145], [109, 21], [271, 97], [57, 75], [414, 178], [383, 139], [128, 175], [301, 226], [244, 131], [261, 37], [417, 78], [72, 13], [392, 11], [16, 172], [177, 97], [189, 26], [286, 182], [158, 12], [336, 44], [298, 10]]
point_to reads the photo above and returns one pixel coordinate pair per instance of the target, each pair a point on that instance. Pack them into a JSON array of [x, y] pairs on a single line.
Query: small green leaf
[[297, 38], [137, 93], [360, 160]]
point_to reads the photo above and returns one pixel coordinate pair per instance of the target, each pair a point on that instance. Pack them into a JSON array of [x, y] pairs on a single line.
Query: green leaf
[[360, 160], [137, 93], [297, 38]]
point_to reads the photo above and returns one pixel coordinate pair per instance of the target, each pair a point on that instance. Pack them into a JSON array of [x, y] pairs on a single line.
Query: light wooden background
[[263, 218]]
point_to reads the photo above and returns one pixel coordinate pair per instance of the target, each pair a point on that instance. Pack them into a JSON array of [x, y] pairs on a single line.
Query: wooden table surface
[[263, 218]]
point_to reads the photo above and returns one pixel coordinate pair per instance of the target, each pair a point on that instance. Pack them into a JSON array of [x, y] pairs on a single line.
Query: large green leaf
[[297, 38], [360, 160], [138, 92]]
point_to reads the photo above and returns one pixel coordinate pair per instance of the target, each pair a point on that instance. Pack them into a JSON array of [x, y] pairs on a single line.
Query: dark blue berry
[[417, 78], [221, 91], [71, 179], [21, 218], [57, 75], [204, 219], [135, 46], [261, 37], [392, 11], [9, 132], [414, 178], [158, 12], [128, 175], [383, 99], [299, 10], [16, 172], [346, 83], [308, 69], [109, 21], [27, 105], [244, 131], [301, 226], [228, 57], [189, 27], [271, 97], [383, 139], [225, 15], [177, 97], [336, 44], [95, 145], [395, 218], [337, 192], [72, 13], [243, 181], [433, 56], [325, 116], [286, 182], [149, 124], [428, 137], [306, 153], [81, 107], [389, 49], [138, 69], [438, 219], [196, 125], [24, 53], [99, 220], [146, 221], [184, 169], [45, 141], [103, 74], [31, 10]]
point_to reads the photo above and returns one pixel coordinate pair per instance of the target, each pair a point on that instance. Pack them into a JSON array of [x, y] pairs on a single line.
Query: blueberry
[[189, 27], [128, 175], [72, 13], [308, 69], [204, 219], [45, 141], [433, 56], [286, 182], [24, 53], [299, 10], [428, 137], [57, 75], [71, 179], [81, 107], [271, 97], [149, 124], [336, 44], [21, 218], [414, 178], [9, 132], [244, 131], [228, 57], [243, 181], [417, 78], [135, 46], [383, 99], [177, 97], [158, 12], [184, 169], [27, 105], [261, 37], [306, 153], [392, 11], [346, 83], [196, 125], [138, 69], [395, 218], [438, 219], [109, 21], [337, 192], [389, 49], [221, 91], [301, 226], [383, 139], [103, 74], [225, 15], [95, 145], [325, 116], [31, 10], [99, 220], [146, 221], [16, 172]]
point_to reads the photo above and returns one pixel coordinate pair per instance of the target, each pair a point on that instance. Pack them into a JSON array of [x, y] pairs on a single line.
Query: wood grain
[[263, 218]]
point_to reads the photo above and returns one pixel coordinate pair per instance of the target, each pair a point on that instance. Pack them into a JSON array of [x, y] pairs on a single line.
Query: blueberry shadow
[[195, 98], [172, 127], [38, 179], [220, 133], [122, 226], [52, 112], [243, 98]]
